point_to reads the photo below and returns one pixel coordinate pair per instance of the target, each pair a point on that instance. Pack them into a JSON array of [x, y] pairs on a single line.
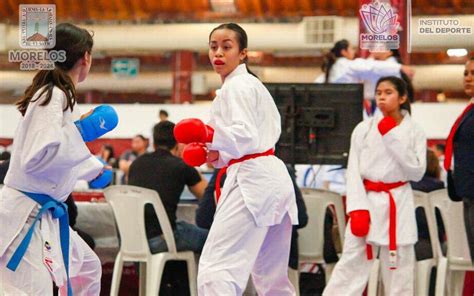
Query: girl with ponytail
[[49, 156], [340, 66]]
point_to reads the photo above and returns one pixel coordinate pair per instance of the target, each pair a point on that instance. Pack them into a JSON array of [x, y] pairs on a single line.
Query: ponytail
[[329, 60], [331, 57], [248, 69], [50, 79]]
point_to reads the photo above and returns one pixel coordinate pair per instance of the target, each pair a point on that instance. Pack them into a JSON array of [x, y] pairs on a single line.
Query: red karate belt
[[392, 226], [234, 161], [448, 154]]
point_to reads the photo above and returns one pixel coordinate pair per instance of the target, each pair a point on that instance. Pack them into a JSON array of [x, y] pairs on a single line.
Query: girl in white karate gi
[[48, 157], [255, 212], [341, 66], [387, 152]]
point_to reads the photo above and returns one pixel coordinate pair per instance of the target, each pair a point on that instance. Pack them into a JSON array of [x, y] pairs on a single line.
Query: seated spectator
[[439, 150], [428, 183], [431, 180], [207, 208], [4, 164], [167, 174], [139, 146], [106, 153], [72, 213], [5, 155]]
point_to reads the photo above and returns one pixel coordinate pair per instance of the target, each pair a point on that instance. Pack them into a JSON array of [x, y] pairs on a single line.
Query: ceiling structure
[[156, 11]]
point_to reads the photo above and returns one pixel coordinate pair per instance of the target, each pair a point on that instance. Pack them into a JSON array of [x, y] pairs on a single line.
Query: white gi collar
[[240, 69], [406, 116]]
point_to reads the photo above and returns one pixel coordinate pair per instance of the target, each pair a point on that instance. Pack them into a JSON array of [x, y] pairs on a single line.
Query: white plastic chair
[[128, 204], [451, 268], [424, 267], [311, 237]]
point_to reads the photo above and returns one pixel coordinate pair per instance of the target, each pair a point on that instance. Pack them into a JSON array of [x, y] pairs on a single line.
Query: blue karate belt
[[59, 211]]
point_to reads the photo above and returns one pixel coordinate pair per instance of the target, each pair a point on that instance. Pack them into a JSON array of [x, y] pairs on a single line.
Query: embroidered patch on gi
[[47, 246], [49, 263]]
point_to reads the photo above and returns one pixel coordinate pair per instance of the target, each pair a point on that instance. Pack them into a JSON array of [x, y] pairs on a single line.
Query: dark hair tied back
[[241, 39], [401, 86], [331, 57], [75, 42]]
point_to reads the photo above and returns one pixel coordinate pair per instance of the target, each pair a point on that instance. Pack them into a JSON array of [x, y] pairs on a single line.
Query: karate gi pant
[[32, 276], [236, 247], [351, 274]]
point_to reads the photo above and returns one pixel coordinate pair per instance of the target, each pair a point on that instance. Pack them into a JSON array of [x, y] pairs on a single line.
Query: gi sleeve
[[409, 153], [366, 69], [90, 168], [49, 144], [356, 193]]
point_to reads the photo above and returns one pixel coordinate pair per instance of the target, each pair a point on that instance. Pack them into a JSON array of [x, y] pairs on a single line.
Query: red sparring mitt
[[210, 134], [192, 130], [195, 154], [386, 124], [360, 222]]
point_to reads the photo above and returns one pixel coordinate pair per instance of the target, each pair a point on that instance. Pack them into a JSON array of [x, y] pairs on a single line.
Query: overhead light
[[223, 6], [457, 52]]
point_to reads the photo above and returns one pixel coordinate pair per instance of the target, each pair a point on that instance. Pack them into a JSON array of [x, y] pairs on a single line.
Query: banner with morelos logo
[[381, 25], [37, 32], [37, 26]]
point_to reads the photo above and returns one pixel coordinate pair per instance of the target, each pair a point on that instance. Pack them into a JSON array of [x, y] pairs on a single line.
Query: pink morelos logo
[[379, 18]]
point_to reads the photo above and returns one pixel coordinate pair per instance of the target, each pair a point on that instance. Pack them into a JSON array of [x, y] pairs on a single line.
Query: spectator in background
[[167, 174], [139, 146], [5, 155], [106, 153], [4, 164], [438, 149], [163, 115], [459, 160], [431, 180]]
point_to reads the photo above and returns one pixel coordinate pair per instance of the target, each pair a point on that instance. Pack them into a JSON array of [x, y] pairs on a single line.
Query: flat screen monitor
[[317, 121]]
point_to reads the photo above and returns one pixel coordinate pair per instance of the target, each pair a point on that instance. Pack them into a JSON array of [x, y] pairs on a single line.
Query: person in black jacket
[[460, 144], [207, 208]]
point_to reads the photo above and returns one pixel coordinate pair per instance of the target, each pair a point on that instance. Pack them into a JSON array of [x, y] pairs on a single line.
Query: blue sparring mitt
[[101, 121], [102, 180]]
